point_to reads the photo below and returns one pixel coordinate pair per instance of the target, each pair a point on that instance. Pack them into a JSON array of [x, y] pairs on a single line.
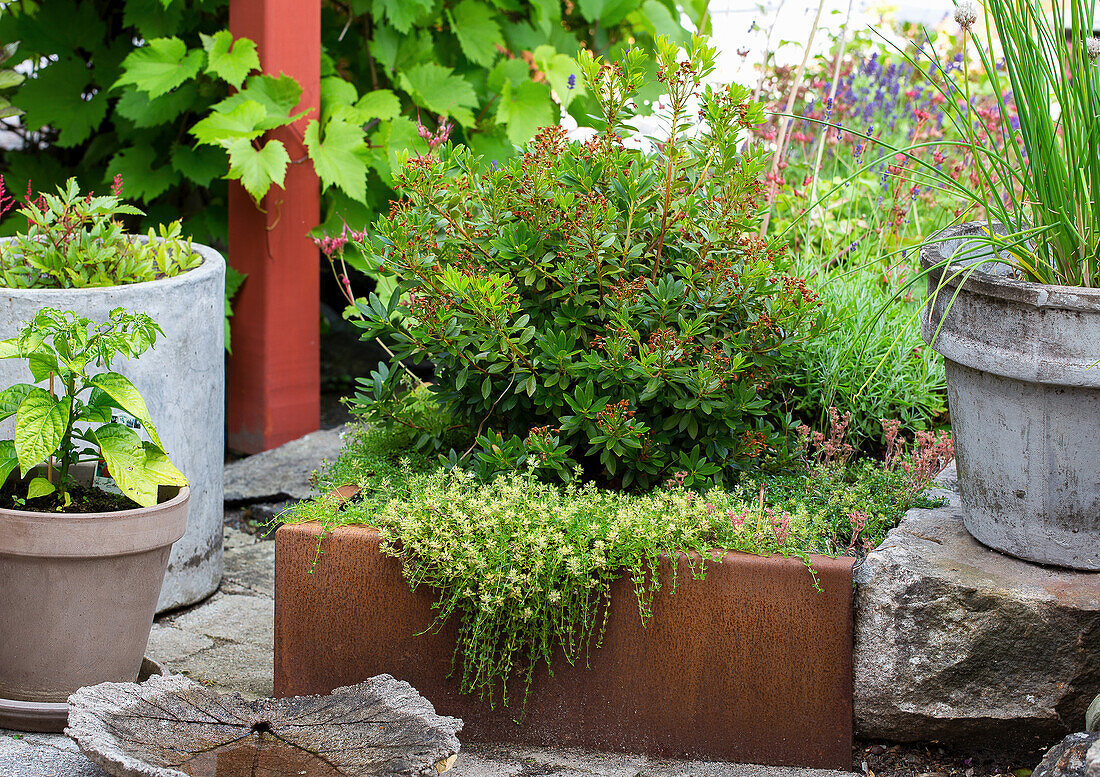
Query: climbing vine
[[161, 92]]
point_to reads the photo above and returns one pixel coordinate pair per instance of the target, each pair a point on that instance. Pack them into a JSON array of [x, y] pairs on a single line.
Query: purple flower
[[493, 165], [572, 80]]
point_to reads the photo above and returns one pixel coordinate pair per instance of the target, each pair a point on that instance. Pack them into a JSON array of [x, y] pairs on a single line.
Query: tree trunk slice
[[174, 727]]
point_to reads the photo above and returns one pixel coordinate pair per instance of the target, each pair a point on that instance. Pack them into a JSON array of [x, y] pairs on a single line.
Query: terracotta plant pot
[[78, 593], [749, 664]]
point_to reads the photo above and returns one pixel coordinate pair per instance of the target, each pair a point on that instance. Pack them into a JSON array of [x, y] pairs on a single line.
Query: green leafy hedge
[[143, 88]]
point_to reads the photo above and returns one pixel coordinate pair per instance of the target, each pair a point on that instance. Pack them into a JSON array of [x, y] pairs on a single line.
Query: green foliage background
[[118, 87]]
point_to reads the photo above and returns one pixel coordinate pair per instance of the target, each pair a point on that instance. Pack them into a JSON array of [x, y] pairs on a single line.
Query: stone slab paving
[[53, 755], [282, 472], [227, 642]]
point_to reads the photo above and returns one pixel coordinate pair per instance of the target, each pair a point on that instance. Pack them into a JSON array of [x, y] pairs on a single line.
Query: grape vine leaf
[[160, 66], [607, 12], [338, 157], [145, 112], [558, 68], [402, 13], [244, 121], [395, 137], [230, 60], [474, 24], [379, 104], [336, 93], [514, 70], [152, 18], [438, 90], [256, 168], [660, 18], [55, 97], [200, 165], [547, 14], [277, 96], [524, 109], [143, 180], [491, 146]]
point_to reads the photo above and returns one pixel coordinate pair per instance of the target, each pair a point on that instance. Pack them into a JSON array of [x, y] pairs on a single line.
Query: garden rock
[[171, 726], [1068, 757], [1092, 716], [958, 643], [284, 472], [1092, 760]]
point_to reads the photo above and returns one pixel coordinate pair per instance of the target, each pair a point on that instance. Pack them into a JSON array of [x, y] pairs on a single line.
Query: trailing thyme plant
[[525, 567], [590, 306]]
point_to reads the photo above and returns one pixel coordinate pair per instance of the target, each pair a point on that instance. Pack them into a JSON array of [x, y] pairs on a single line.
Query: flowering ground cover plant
[[77, 241], [588, 306], [56, 431]]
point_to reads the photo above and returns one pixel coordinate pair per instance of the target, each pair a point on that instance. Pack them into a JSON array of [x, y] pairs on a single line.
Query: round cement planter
[[182, 380], [1025, 407], [78, 593]]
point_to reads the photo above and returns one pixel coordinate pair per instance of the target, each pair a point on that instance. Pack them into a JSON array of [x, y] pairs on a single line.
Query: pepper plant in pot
[[80, 566], [72, 252], [1014, 296]]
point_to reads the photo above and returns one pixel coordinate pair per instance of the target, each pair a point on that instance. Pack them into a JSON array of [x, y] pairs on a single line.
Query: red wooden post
[[274, 372]]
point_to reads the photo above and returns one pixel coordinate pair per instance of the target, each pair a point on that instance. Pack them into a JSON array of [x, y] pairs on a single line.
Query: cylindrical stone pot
[[183, 382], [78, 592], [1025, 405]]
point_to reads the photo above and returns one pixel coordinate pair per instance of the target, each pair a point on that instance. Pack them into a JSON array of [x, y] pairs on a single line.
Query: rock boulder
[[959, 643], [1068, 758]]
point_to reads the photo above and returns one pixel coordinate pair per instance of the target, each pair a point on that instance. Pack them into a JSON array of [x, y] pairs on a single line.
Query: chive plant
[[1035, 176]]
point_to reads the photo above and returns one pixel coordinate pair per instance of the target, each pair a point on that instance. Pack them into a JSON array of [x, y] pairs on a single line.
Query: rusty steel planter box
[[750, 664]]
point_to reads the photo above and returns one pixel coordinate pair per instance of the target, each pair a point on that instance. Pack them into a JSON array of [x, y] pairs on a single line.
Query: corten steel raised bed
[[750, 664]]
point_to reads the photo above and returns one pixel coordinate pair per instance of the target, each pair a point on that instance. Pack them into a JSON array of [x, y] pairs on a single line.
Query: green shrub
[[76, 241], [590, 305]]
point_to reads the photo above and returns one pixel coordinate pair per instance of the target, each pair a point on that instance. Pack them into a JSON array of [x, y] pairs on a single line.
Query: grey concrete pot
[[1025, 407], [182, 380]]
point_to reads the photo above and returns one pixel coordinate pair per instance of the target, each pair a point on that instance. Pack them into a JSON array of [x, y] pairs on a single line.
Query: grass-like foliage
[[590, 305], [526, 566], [1035, 170]]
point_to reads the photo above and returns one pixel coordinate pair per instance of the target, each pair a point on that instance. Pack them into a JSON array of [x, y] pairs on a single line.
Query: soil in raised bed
[[931, 760]]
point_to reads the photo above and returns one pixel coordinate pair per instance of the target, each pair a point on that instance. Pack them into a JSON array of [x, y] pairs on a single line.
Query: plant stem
[[785, 122]]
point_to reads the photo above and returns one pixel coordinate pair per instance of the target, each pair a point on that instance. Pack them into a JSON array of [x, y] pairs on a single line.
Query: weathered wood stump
[[173, 727]]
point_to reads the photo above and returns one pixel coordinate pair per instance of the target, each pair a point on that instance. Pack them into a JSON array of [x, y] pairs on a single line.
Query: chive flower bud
[[966, 14], [1092, 48]]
